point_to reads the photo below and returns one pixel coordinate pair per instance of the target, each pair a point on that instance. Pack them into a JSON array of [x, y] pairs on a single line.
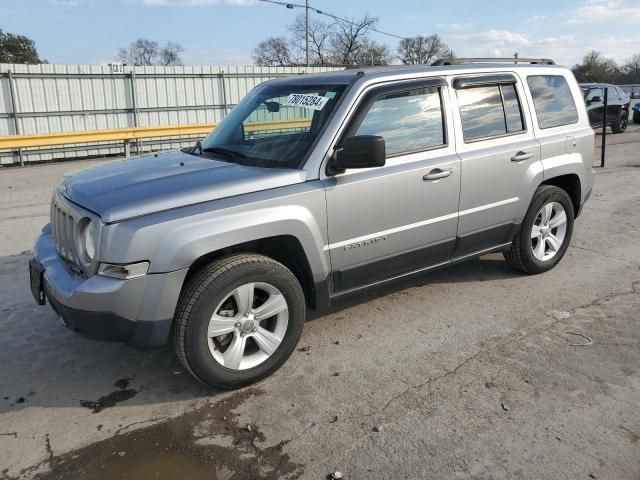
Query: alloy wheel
[[247, 327], [548, 231]]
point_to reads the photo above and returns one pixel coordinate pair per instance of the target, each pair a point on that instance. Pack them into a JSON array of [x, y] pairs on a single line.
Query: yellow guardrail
[[13, 142]]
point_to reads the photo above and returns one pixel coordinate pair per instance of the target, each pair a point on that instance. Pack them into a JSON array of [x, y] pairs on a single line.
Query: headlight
[[88, 240], [124, 272]]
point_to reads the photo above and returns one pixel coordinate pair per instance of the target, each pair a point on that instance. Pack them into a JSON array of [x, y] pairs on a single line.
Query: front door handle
[[436, 174], [521, 156]]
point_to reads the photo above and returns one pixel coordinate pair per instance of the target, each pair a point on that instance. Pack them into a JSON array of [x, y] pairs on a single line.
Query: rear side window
[[552, 100], [489, 111], [409, 121]]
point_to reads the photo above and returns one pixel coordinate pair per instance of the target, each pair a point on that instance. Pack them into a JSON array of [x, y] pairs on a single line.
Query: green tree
[[18, 49]]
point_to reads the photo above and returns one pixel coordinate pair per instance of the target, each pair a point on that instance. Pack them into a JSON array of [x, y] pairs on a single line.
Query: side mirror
[[595, 99], [361, 151]]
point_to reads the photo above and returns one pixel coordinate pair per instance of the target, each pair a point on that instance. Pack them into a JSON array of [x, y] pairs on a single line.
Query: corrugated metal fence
[[37, 99]]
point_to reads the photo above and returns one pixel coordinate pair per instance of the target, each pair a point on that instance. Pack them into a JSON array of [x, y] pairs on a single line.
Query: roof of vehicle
[[346, 76], [595, 85]]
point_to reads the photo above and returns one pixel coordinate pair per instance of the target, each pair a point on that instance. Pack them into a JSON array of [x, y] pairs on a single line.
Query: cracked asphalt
[[474, 372]]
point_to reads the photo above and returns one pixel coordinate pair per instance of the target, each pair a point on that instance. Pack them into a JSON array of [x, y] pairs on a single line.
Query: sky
[[224, 32]]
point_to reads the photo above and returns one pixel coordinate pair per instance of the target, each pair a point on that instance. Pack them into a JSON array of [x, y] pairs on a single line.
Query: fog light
[[124, 272]]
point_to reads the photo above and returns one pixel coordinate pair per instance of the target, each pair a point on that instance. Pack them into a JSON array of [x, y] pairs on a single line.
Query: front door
[[387, 221], [595, 105]]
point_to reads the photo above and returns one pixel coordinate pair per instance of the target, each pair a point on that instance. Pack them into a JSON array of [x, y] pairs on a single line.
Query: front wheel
[[636, 116], [238, 320], [545, 233], [620, 125]]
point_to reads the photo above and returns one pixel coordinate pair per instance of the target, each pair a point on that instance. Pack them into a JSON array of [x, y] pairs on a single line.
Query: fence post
[[224, 93], [604, 126], [134, 107], [14, 109]]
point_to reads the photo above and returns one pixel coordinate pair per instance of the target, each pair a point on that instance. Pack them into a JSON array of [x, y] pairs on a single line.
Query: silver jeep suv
[[313, 188]]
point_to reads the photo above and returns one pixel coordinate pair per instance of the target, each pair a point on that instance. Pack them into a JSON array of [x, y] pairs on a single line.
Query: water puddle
[[205, 444]]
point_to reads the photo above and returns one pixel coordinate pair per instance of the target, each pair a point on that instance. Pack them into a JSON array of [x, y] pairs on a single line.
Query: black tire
[[636, 116], [206, 290], [520, 254], [620, 125]]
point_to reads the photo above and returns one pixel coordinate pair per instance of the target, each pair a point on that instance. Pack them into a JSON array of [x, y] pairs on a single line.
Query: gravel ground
[[469, 372]]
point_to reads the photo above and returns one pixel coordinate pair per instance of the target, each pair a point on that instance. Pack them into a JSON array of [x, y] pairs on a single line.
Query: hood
[[149, 184]]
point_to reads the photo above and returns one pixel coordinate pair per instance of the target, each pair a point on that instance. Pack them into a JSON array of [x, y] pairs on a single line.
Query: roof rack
[[460, 61]]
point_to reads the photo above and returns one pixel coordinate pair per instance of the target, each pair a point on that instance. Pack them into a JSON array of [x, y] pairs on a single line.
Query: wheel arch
[[570, 183], [286, 249]]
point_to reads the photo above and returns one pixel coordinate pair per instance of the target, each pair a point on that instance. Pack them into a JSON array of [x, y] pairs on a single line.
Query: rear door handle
[[521, 156], [436, 174]]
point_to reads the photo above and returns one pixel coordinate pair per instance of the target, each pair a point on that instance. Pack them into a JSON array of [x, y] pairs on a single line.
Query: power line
[[292, 5]]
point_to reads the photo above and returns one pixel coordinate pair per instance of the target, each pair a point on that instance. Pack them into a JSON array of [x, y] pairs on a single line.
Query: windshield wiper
[[225, 151]]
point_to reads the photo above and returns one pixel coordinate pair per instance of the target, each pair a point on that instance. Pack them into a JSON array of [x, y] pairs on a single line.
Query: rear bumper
[[137, 312]]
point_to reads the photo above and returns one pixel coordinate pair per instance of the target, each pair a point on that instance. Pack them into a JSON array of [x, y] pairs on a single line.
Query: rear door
[[500, 158]]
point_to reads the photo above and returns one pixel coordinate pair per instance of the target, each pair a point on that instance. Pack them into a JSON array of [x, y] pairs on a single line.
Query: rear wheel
[[620, 125], [545, 233], [636, 116], [238, 320]]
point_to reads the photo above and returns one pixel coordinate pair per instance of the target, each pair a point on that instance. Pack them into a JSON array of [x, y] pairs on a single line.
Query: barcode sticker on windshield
[[315, 102]]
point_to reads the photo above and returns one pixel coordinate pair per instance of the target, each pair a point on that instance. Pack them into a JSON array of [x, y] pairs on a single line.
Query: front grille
[[64, 225]]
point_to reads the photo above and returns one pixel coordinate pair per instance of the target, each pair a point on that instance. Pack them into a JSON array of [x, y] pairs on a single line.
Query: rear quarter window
[[552, 100]]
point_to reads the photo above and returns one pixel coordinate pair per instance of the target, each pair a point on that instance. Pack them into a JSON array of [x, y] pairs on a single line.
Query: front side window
[[552, 100], [593, 93], [489, 111], [409, 121], [274, 126]]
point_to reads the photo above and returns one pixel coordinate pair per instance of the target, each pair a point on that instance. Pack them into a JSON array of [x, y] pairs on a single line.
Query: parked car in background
[[632, 90], [636, 113], [618, 103], [313, 188]]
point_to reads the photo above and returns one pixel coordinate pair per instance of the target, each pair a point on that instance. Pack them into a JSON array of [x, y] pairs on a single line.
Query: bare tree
[[631, 69], [342, 42], [170, 54], [148, 52], [597, 68], [319, 39], [140, 52], [373, 53], [273, 52], [348, 38], [422, 50]]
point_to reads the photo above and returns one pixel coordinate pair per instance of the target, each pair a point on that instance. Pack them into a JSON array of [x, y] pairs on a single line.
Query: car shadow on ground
[[43, 364]]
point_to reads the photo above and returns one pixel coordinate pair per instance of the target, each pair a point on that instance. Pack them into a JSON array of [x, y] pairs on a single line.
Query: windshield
[[274, 125]]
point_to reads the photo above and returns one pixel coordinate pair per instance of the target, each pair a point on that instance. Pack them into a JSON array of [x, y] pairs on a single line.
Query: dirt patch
[[207, 443]]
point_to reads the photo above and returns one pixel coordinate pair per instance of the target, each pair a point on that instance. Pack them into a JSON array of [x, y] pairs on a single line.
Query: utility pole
[[306, 27]]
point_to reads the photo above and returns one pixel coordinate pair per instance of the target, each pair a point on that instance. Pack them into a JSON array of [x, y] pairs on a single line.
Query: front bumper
[[137, 312]]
